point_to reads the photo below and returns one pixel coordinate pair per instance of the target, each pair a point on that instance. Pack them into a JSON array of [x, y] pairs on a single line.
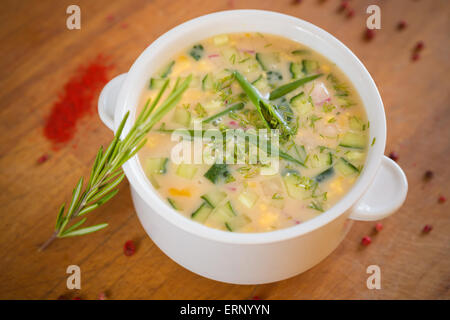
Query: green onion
[[285, 89], [237, 106]]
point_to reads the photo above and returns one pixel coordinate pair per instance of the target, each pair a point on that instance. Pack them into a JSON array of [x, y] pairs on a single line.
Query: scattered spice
[[344, 5], [350, 13], [427, 228], [77, 99], [442, 199], [428, 175], [401, 25], [393, 155], [76, 298], [378, 227], [129, 248], [42, 159], [256, 298], [415, 56], [369, 34], [102, 296], [365, 241], [419, 46]]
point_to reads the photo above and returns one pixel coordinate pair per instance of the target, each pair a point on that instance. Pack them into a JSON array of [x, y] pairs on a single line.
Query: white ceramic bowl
[[256, 257]]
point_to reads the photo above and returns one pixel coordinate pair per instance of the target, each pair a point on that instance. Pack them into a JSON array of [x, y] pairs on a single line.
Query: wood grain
[[39, 54]]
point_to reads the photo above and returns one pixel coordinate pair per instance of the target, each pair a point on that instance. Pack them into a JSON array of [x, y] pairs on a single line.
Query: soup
[[314, 121]]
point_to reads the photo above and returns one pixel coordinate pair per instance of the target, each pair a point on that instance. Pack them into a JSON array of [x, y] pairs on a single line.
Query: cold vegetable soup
[[271, 133]]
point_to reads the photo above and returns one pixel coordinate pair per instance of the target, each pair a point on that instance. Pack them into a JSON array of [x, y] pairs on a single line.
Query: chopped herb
[[196, 52], [373, 141], [332, 120], [316, 206], [200, 111], [267, 45], [299, 52], [277, 196], [313, 120], [328, 107]]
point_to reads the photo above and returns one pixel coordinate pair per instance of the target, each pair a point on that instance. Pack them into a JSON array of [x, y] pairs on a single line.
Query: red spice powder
[[76, 101]]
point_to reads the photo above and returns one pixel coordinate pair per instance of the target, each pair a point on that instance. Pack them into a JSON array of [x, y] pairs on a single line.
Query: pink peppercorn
[[419, 46], [369, 34], [42, 159], [394, 156], [401, 25], [102, 296], [129, 248], [350, 13], [415, 56], [427, 228], [344, 5], [365, 241], [378, 227], [442, 199]]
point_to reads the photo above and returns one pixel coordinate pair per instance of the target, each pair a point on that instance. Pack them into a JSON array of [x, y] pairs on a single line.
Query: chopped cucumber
[[353, 140], [217, 173], [186, 170], [167, 69], [220, 39], [208, 82], [261, 84], [202, 213], [302, 103], [237, 222], [182, 116], [248, 198], [267, 61], [157, 165], [296, 70], [172, 203], [319, 160], [324, 175], [354, 155], [309, 66], [196, 52], [355, 123], [294, 189], [345, 168], [223, 214], [213, 104], [153, 181], [231, 55], [214, 197], [156, 83], [273, 77]]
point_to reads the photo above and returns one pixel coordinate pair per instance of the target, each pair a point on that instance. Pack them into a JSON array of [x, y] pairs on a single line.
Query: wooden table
[[39, 54]]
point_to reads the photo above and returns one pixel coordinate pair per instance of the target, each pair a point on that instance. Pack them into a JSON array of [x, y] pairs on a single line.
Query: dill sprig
[[106, 173]]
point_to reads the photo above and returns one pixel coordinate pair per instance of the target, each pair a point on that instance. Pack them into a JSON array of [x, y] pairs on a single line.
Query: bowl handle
[[108, 99], [385, 195]]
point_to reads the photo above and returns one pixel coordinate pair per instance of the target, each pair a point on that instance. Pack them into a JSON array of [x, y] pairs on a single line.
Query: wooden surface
[[39, 54]]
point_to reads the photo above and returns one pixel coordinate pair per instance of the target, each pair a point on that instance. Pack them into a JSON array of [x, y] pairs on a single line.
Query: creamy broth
[[328, 133]]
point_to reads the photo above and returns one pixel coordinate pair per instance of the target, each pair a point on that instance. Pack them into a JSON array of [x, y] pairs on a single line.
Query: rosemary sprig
[[106, 173]]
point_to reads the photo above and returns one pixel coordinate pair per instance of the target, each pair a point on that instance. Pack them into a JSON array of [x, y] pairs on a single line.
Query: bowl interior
[[172, 42]]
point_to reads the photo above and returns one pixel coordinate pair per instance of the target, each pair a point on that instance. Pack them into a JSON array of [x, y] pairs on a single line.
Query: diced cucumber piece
[[267, 61], [302, 103], [231, 55], [202, 213], [213, 104], [345, 168], [186, 170], [319, 160], [354, 155], [274, 77], [196, 52], [324, 175], [217, 173], [153, 181], [261, 84], [214, 197], [294, 189], [156, 83], [353, 140], [223, 214], [220, 39], [272, 186], [248, 198], [355, 123], [172, 203], [300, 152], [208, 82], [237, 222], [167, 69], [309, 66], [157, 165], [296, 70], [182, 116]]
